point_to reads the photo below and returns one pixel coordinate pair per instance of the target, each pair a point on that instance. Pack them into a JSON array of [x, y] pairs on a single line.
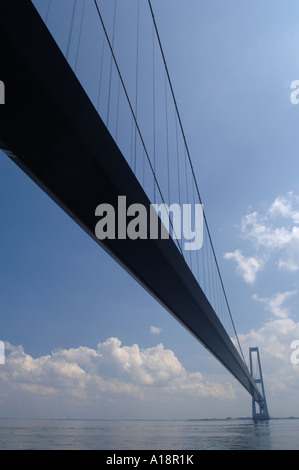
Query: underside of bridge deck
[[51, 130]]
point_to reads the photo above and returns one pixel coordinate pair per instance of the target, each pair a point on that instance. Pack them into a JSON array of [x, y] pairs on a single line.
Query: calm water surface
[[148, 435]]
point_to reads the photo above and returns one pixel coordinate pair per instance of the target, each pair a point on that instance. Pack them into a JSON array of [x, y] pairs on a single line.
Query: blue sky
[[79, 331]]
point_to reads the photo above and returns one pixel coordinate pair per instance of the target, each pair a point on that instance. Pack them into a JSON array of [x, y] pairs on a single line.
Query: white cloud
[[284, 206], [274, 235], [98, 378], [155, 330], [274, 304], [247, 267], [274, 339], [275, 232], [281, 377], [259, 230], [288, 265]]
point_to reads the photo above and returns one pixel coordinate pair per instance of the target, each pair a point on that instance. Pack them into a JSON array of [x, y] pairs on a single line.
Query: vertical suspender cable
[[187, 193], [101, 72], [192, 170], [71, 30], [117, 111], [167, 140], [154, 110], [48, 11], [130, 104], [136, 86], [80, 34], [111, 62], [178, 163]]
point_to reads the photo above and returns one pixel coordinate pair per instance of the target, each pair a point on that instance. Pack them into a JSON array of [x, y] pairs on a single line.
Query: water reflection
[[149, 435]]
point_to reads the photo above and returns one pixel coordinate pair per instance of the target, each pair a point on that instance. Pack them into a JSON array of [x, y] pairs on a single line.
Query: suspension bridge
[[90, 115]]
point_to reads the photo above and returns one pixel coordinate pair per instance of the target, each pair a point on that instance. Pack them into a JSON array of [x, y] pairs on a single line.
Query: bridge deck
[[51, 130]]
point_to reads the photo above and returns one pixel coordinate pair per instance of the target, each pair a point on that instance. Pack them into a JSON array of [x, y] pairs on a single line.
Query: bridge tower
[[257, 376]]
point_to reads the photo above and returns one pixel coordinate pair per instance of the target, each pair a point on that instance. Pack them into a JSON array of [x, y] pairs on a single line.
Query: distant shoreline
[[248, 418], [237, 419]]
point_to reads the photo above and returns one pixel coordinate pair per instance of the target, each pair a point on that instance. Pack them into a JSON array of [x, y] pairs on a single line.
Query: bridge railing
[[114, 50]]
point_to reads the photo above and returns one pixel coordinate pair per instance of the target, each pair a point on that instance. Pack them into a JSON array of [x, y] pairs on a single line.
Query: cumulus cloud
[[275, 232], [272, 234], [263, 233], [86, 376], [281, 377], [270, 231], [274, 339], [247, 267]]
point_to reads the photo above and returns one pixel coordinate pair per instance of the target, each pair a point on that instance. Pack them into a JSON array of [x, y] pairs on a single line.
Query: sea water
[[149, 435]]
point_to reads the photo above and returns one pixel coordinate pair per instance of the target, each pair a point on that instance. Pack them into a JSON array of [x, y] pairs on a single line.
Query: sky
[[82, 338]]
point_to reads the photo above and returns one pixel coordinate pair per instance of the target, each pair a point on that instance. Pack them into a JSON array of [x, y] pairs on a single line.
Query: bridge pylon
[[262, 413]]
